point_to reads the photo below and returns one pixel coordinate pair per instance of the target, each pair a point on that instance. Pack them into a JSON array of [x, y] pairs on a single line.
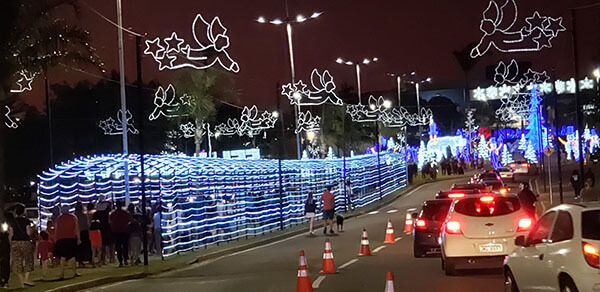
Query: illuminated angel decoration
[[188, 130], [9, 122], [251, 123], [113, 127], [24, 82], [376, 110], [401, 117], [306, 122], [167, 104], [322, 91], [500, 32], [210, 48]]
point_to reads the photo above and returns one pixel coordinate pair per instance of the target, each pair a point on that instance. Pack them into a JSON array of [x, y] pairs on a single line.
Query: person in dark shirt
[[528, 199], [309, 210], [119, 225], [5, 250], [576, 183], [589, 177], [22, 247]]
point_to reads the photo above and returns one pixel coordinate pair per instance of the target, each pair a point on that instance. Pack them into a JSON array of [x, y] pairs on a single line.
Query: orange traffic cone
[[304, 283], [389, 233], [328, 264], [365, 250], [408, 225], [389, 282]]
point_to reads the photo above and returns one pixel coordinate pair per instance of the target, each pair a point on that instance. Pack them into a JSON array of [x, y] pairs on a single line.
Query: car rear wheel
[[418, 251], [449, 267], [567, 285], [510, 285]]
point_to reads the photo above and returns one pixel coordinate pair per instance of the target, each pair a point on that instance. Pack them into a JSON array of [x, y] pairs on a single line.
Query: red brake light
[[524, 224], [503, 191], [453, 227], [591, 254], [487, 199], [456, 195], [524, 165], [421, 224], [513, 165]]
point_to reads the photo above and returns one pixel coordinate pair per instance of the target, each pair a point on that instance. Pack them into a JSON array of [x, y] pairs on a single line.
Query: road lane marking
[[379, 248], [318, 281], [398, 238], [392, 211], [348, 263], [373, 212]]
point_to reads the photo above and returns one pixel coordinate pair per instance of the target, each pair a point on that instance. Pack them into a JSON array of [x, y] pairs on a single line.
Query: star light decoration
[[167, 103], [24, 82], [210, 48], [322, 91], [112, 127], [9, 122], [500, 32]]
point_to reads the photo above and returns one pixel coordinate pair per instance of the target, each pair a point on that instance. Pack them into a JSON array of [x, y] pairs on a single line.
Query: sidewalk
[[91, 277]]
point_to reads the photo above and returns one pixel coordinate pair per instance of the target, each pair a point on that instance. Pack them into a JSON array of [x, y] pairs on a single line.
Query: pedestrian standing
[[5, 250], [527, 199], [309, 210], [588, 194], [101, 215], [91, 209], [589, 175], [21, 234], [84, 250], [157, 230], [328, 200], [96, 242], [576, 183], [119, 225], [44, 252], [67, 239], [135, 235]]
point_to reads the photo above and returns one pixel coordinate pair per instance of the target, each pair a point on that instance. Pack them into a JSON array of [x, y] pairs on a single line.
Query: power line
[[112, 22]]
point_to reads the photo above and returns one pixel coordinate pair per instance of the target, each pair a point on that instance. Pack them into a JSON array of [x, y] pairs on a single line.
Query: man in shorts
[[328, 209], [67, 239]]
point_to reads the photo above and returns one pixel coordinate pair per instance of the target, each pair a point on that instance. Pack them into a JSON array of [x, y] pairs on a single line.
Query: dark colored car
[[457, 194], [476, 186], [427, 227]]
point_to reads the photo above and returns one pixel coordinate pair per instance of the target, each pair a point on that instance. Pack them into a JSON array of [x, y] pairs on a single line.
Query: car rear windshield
[[590, 220], [469, 187], [477, 207], [435, 211], [504, 169]]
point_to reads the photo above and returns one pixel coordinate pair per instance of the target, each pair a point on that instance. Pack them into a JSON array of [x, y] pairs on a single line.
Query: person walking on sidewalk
[[309, 211], [528, 199], [588, 194], [328, 209], [119, 225], [67, 239], [21, 234], [589, 176], [576, 183]]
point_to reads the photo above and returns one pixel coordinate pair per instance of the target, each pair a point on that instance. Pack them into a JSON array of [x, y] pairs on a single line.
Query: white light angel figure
[[306, 122], [401, 117], [188, 130], [500, 33], [114, 127], [322, 91], [210, 48], [376, 110], [251, 123], [166, 103]]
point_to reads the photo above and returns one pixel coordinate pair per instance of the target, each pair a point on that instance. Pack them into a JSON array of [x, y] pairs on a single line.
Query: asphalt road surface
[[274, 267]]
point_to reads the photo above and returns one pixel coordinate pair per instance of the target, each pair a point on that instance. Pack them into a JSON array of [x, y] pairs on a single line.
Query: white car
[[520, 167], [480, 231], [506, 173], [559, 254]]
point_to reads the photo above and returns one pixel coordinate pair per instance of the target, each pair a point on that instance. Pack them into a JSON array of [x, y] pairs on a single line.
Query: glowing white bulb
[[339, 61], [300, 18], [349, 63], [387, 104], [597, 73], [297, 95], [366, 61], [276, 21], [310, 135], [316, 14], [375, 59], [275, 114], [372, 106], [261, 20]]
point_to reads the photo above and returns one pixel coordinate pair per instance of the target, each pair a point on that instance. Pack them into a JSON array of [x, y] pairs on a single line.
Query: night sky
[[405, 35]]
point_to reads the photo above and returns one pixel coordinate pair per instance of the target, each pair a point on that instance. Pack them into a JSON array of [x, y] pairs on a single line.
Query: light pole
[[399, 79], [418, 91], [356, 64], [123, 101], [289, 21], [387, 104]]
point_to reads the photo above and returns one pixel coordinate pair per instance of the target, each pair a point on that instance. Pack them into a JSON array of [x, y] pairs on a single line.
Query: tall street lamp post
[[356, 64], [289, 22], [123, 101], [387, 104]]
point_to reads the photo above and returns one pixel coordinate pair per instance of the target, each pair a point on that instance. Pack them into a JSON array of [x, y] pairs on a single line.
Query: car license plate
[[492, 247]]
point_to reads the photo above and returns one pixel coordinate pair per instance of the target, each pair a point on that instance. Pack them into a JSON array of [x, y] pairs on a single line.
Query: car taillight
[[503, 191], [524, 165], [421, 224], [487, 199], [524, 224], [513, 165], [456, 195], [453, 227], [591, 254]]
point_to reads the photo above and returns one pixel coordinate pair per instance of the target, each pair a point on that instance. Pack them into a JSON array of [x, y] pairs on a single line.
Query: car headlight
[[4, 227]]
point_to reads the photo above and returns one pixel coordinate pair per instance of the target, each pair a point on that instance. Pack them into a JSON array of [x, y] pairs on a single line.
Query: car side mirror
[[414, 215], [520, 240]]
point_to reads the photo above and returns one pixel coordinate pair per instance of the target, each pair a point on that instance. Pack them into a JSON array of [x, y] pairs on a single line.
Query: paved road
[[274, 267]]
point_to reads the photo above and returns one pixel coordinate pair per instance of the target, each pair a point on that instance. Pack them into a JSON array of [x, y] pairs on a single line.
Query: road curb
[[114, 279]]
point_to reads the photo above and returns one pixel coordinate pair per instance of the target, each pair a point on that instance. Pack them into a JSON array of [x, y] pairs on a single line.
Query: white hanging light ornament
[[374, 111], [322, 91], [112, 127], [306, 122], [210, 48], [24, 82], [188, 130], [10, 123], [500, 33], [251, 123], [167, 104], [400, 117]]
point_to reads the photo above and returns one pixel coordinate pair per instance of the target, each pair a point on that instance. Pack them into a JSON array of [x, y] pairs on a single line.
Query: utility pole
[[142, 175], [578, 113], [123, 101]]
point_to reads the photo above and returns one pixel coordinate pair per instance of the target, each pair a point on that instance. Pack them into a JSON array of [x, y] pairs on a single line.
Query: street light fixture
[[365, 61], [289, 21]]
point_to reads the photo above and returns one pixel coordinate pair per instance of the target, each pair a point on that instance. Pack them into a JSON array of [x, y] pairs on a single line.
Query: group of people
[[583, 187], [90, 235]]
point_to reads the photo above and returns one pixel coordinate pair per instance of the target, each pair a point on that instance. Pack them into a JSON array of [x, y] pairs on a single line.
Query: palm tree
[[36, 38]]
